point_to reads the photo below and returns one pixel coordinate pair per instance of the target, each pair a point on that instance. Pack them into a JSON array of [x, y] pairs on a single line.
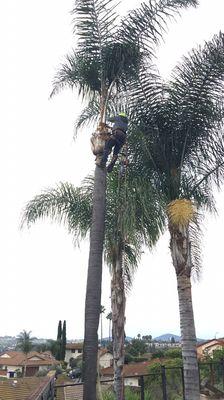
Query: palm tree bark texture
[[118, 303], [93, 290], [181, 256]]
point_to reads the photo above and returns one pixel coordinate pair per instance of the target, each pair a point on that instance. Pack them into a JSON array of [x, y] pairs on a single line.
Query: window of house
[[79, 351], [73, 350]]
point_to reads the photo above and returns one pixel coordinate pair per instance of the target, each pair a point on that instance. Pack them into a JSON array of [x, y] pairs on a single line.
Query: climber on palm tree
[[116, 140]]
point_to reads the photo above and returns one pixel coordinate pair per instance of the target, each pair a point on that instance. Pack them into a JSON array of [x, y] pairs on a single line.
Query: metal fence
[[168, 383]]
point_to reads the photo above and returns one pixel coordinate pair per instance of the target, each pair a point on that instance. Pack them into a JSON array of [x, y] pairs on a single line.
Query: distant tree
[[63, 341], [109, 317], [24, 341], [158, 353], [25, 344], [40, 347], [102, 311], [172, 340], [52, 346], [136, 347], [147, 338], [59, 341], [173, 353]]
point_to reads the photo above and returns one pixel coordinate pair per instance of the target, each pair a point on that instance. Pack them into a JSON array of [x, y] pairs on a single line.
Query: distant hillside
[[167, 337]]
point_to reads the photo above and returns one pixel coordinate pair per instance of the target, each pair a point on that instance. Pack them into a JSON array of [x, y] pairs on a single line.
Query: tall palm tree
[[24, 343], [108, 54], [177, 136], [109, 317], [102, 311], [129, 224]]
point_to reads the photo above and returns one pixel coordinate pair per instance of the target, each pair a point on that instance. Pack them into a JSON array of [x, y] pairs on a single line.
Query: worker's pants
[[116, 141]]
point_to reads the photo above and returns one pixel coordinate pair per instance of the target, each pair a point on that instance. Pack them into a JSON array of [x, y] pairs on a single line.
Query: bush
[[158, 354], [173, 377], [42, 372], [173, 353]]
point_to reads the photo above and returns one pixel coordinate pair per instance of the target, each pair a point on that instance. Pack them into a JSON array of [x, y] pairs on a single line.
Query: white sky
[[43, 277]]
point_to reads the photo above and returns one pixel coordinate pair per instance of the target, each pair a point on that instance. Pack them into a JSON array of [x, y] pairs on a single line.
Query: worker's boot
[[112, 163]]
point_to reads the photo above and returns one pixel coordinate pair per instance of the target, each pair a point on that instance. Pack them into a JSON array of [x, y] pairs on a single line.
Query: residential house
[[165, 344], [131, 372], [12, 362], [105, 358], [32, 388], [207, 348], [73, 350]]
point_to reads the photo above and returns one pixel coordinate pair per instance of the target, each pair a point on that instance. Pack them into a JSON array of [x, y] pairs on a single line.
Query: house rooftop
[[74, 346], [23, 388], [18, 358], [211, 342], [132, 369]]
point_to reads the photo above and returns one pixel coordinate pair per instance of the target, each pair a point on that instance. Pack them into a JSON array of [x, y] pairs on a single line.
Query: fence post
[[222, 367], [212, 377], [183, 385], [142, 384], [199, 374], [163, 368]]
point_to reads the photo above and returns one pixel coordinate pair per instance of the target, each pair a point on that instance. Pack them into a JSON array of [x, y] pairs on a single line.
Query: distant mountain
[[167, 338]]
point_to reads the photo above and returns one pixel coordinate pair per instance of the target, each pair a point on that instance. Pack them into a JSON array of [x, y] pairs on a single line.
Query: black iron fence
[[167, 383]]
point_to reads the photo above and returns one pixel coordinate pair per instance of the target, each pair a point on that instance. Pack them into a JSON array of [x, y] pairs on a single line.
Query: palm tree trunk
[[118, 303], [93, 290], [181, 256]]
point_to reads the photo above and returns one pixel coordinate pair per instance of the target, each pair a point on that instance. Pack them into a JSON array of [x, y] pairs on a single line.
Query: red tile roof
[[74, 346], [22, 388], [18, 358], [211, 342], [140, 368]]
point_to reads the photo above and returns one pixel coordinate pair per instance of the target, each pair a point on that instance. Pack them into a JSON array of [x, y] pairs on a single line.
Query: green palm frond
[[196, 94], [134, 216], [195, 236], [146, 24], [65, 205], [181, 121], [78, 71], [94, 25], [89, 114]]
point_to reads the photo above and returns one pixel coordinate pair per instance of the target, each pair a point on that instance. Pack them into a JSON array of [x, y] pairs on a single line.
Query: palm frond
[[147, 23], [89, 115], [196, 95], [181, 122], [195, 237], [94, 25], [65, 205], [78, 71]]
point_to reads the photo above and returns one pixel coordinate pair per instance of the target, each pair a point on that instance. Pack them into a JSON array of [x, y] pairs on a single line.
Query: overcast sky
[[43, 277]]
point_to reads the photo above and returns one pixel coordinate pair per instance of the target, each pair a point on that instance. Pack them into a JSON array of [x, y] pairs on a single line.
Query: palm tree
[[177, 136], [102, 311], [107, 56], [109, 317], [129, 225], [25, 344]]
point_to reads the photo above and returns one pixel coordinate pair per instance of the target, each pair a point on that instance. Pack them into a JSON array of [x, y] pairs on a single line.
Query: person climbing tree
[[116, 140]]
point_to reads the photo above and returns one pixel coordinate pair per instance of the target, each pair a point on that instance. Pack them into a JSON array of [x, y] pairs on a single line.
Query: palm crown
[[131, 220], [181, 125], [109, 51]]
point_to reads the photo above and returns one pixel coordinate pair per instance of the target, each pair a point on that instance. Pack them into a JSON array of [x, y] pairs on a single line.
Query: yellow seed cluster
[[180, 212]]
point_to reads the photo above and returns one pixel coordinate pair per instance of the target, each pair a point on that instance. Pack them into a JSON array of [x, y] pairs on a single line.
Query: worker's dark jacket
[[119, 123]]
